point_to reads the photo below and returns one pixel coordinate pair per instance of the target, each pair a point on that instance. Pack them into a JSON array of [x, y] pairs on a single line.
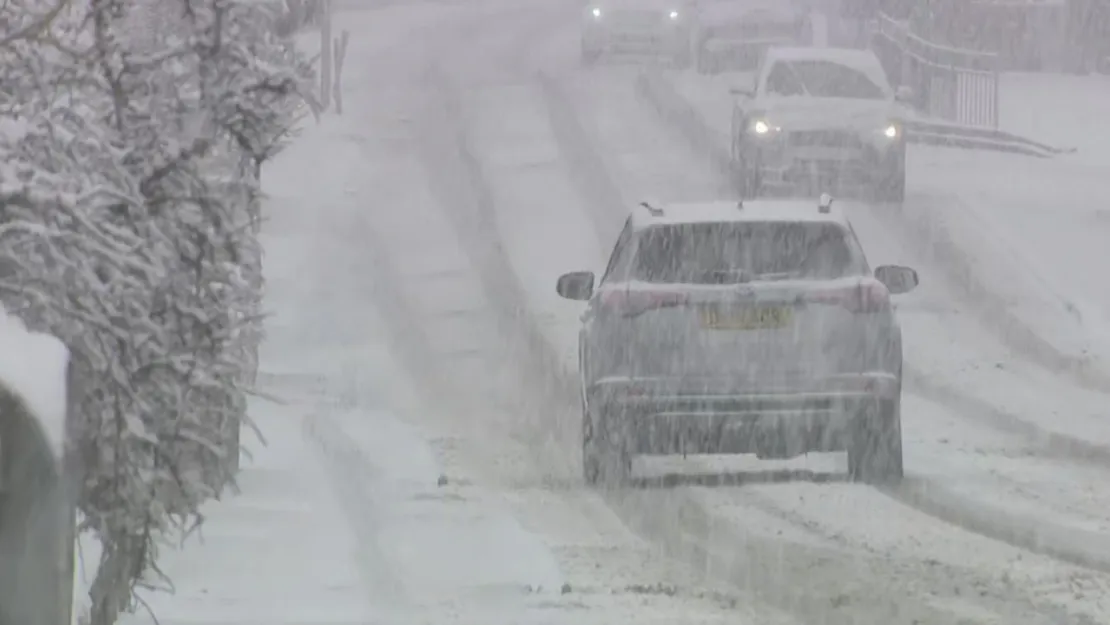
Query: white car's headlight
[[892, 131], [596, 12], [673, 15], [762, 127]]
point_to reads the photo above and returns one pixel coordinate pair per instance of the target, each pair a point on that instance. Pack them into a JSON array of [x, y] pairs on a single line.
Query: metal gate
[[959, 86]]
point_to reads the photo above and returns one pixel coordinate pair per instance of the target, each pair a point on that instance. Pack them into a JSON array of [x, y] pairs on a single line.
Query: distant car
[[819, 119], [740, 328], [734, 36], [638, 27]]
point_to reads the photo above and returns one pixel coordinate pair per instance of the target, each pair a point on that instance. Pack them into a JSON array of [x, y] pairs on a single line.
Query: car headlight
[[673, 15], [892, 131], [596, 12], [762, 127]]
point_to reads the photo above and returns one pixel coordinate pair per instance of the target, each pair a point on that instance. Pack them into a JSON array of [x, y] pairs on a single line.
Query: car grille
[[825, 138], [637, 18]]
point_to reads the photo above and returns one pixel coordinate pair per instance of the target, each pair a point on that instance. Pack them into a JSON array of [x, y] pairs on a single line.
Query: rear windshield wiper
[[778, 275], [728, 276]]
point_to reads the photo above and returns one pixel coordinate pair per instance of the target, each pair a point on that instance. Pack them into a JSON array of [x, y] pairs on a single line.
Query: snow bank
[[33, 367]]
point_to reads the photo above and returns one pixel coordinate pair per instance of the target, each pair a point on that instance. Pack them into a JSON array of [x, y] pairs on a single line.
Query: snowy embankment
[[1006, 231], [511, 121]]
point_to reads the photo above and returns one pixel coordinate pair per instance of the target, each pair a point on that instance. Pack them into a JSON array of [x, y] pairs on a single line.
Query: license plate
[[763, 318]]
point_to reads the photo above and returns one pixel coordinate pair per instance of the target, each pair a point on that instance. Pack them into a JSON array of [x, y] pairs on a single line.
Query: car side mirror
[[897, 279], [577, 285], [903, 93]]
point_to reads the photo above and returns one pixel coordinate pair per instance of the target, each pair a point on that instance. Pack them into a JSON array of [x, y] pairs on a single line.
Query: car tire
[[875, 448], [605, 461]]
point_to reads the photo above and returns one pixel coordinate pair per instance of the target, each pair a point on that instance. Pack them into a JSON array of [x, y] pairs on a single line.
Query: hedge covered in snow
[[130, 137]]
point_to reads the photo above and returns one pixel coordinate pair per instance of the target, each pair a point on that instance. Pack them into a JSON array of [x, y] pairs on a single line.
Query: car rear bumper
[[658, 416], [827, 165]]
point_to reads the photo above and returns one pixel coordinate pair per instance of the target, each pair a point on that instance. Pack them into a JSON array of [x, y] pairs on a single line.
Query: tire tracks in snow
[[927, 497], [678, 519], [352, 473], [398, 290]]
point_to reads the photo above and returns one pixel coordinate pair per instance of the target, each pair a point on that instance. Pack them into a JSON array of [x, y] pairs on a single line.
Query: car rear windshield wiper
[[779, 275], [727, 276]]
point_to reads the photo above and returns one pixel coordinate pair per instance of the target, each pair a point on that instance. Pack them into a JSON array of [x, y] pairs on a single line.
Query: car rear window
[[725, 253], [821, 79]]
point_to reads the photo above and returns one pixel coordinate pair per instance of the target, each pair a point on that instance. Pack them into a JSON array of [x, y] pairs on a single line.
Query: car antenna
[[824, 204], [740, 205], [655, 212]]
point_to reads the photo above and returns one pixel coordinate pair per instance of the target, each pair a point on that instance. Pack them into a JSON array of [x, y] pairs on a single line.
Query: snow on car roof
[[761, 210], [850, 57]]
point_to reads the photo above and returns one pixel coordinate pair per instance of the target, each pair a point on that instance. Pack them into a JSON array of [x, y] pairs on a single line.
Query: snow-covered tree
[[130, 138]]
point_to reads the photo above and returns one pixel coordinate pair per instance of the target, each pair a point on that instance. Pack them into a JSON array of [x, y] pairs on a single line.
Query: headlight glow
[[891, 131], [674, 15], [761, 127], [596, 12]]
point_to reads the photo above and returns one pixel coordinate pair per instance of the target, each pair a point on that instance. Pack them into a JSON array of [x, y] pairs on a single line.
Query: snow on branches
[[131, 133]]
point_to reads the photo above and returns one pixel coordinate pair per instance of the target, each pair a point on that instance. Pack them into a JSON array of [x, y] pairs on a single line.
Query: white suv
[[823, 118], [731, 328]]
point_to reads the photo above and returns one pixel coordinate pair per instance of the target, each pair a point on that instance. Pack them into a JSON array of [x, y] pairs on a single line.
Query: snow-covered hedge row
[[130, 134]]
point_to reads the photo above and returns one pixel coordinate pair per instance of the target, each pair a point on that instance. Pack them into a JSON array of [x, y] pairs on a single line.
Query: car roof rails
[[824, 204], [651, 208]]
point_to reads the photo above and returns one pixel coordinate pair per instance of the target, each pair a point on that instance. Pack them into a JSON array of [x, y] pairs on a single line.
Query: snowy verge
[[1078, 105], [1033, 326], [282, 536], [1031, 231]]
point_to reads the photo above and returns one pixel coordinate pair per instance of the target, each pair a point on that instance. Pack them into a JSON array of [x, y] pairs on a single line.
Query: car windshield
[[821, 79], [726, 253]]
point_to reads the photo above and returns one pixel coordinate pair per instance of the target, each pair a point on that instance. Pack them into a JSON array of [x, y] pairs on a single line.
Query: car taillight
[[866, 297], [631, 302]]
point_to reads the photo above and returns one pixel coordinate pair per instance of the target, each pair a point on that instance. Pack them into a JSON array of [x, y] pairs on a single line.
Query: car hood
[[827, 113]]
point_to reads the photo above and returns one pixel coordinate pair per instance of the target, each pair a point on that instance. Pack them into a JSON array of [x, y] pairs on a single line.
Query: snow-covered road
[[427, 364]]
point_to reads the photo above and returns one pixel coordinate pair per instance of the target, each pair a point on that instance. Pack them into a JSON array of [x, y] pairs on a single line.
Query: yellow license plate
[[746, 318]]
